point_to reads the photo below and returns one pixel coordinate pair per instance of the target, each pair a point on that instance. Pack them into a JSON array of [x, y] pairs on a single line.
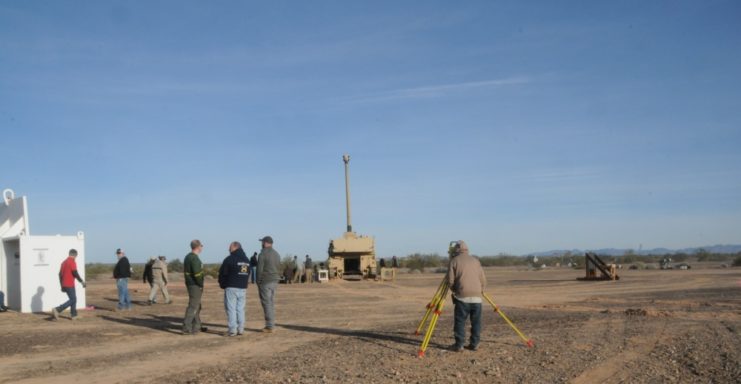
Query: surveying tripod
[[435, 308]]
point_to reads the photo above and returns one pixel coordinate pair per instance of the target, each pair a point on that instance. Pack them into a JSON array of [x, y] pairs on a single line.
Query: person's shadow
[[167, 324], [37, 301]]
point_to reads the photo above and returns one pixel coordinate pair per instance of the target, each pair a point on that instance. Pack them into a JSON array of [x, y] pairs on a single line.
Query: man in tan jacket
[[159, 281], [467, 283]]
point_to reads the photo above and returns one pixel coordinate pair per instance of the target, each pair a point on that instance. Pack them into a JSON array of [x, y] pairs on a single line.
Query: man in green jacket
[[193, 270], [268, 275]]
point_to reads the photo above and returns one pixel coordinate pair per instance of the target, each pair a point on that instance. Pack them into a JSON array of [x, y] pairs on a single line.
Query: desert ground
[[651, 326]]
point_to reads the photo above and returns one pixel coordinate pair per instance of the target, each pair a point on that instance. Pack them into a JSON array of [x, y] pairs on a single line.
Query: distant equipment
[[665, 263], [594, 264], [351, 257]]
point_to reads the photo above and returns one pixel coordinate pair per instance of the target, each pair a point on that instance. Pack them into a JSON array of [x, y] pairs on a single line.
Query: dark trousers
[[462, 312], [192, 321], [71, 302]]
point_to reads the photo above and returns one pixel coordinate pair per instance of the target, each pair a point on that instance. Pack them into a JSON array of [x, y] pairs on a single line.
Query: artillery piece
[[352, 256]]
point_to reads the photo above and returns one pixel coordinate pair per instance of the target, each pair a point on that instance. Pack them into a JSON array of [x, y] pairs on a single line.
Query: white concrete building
[[29, 265]]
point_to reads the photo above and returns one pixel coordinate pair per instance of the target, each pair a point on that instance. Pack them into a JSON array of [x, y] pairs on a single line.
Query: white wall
[[41, 257], [13, 217], [31, 282]]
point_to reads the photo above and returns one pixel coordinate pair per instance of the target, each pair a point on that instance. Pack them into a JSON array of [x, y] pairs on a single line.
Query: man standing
[[253, 268], [467, 282], [233, 277], [296, 270], [308, 269], [67, 275], [159, 278], [394, 265], [193, 271], [268, 275], [122, 273]]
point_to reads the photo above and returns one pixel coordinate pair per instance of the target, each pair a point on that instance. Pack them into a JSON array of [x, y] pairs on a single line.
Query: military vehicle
[[352, 256]]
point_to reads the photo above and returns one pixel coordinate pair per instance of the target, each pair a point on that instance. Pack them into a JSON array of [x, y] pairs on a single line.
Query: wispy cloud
[[434, 91], [568, 175]]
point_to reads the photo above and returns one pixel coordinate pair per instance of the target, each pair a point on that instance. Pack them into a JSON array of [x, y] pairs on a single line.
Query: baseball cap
[[266, 239]]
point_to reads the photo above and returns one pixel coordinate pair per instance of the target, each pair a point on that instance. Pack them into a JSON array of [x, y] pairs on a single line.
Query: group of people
[[298, 272], [465, 277], [234, 274]]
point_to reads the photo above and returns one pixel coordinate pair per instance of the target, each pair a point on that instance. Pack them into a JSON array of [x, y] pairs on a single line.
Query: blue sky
[[517, 127]]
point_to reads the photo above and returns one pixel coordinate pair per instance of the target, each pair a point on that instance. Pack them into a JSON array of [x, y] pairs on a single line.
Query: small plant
[[93, 270], [175, 266], [420, 261]]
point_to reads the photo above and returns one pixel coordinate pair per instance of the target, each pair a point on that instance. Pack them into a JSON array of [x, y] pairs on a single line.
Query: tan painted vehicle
[[351, 256]]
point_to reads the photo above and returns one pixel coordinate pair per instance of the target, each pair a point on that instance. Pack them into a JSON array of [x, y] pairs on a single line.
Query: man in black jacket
[[148, 275], [122, 273], [233, 278], [253, 268]]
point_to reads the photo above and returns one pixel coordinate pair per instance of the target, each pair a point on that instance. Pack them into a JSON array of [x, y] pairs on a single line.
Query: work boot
[[55, 313], [472, 347], [456, 348], [267, 330], [204, 329]]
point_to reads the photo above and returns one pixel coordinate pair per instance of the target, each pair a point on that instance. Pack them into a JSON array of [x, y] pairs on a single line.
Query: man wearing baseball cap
[[268, 275]]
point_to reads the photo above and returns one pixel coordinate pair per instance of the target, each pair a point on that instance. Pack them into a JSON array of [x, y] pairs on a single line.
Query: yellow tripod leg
[[431, 305], [433, 322], [528, 342]]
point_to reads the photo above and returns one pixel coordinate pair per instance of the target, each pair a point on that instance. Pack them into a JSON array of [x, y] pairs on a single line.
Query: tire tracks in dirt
[[634, 348]]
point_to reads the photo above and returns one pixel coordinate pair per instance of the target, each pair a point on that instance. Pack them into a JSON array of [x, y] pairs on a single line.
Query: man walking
[[147, 276], [67, 275], [193, 271], [122, 273], [3, 308], [233, 277], [467, 281], [268, 275], [159, 279]]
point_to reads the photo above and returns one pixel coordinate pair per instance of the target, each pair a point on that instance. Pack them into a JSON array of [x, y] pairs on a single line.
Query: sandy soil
[[650, 327]]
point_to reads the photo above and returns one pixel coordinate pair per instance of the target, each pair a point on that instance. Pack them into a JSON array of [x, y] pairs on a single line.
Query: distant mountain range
[[655, 251]]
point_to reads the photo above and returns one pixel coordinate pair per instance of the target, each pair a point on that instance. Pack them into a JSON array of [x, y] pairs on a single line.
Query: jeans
[[124, 300], [234, 299], [71, 301], [253, 274], [267, 299], [462, 312], [192, 321]]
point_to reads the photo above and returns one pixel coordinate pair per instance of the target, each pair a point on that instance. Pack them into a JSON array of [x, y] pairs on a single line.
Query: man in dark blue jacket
[[233, 278]]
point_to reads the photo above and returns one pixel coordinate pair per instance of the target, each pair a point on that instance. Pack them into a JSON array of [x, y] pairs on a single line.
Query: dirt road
[[651, 326]]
